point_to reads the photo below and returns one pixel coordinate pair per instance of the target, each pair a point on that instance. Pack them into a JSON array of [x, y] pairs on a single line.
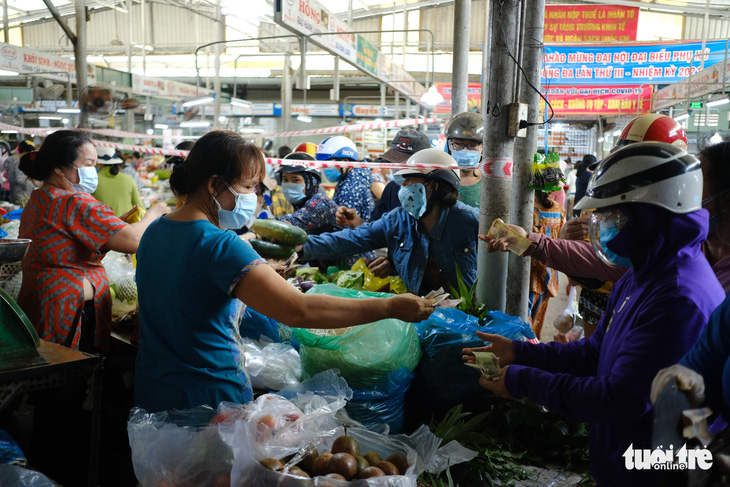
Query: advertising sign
[[599, 100], [590, 23], [473, 97], [29, 61], [308, 17], [316, 110], [709, 80], [144, 85], [623, 64]]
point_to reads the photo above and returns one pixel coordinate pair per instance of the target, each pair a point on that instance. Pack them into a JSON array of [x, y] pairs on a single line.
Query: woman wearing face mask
[[71, 233], [189, 353], [648, 217], [313, 212], [464, 135], [426, 237], [353, 183]]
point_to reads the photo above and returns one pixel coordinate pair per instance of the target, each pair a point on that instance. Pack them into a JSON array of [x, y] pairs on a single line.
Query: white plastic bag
[[271, 366], [566, 319]]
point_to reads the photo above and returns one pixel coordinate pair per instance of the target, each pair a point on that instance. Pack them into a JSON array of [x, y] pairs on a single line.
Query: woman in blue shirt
[[191, 271]]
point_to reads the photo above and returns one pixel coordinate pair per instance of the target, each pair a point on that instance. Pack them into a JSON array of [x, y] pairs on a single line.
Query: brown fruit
[[319, 467], [272, 464], [307, 462], [371, 472], [298, 472], [362, 464], [373, 458], [335, 476], [346, 444], [388, 468], [400, 461], [343, 464]]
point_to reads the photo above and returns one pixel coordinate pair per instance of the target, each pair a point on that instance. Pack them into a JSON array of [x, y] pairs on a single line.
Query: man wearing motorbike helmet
[[464, 135], [648, 218], [353, 183], [426, 237]]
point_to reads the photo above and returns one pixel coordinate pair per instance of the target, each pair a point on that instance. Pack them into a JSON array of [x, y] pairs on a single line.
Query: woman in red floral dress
[[65, 290]]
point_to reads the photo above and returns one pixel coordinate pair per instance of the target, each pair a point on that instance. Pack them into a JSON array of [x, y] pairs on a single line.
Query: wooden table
[[65, 367]]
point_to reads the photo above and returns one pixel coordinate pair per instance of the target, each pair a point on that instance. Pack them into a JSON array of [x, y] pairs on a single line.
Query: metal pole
[[382, 95], [518, 276], [705, 22], [396, 115], [129, 37], [349, 13], [336, 84], [485, 59], [143, 7], [286, 93], [6, 27], [460, 66], [219, 33], [80, 52], [498, 151]]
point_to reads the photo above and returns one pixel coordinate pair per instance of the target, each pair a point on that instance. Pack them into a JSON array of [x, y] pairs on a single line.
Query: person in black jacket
[[583, 175]]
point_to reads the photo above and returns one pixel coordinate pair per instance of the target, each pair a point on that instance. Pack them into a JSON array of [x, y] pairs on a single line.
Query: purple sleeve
[[621, 392], [572, 257], [576, 358]]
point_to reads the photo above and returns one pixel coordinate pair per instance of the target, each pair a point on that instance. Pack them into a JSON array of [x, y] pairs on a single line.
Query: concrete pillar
[[286, 93], [518, 276], [80, 53], [498, 150], [460, 66], [219, 35], [6, 27]]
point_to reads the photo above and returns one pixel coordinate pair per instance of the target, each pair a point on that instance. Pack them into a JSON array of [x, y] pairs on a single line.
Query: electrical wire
[[523, 123]]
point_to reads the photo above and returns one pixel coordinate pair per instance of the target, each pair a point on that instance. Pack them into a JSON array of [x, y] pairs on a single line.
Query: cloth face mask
[[413, 199]]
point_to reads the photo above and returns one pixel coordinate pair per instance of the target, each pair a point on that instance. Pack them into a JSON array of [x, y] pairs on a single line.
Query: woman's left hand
[[497, 385]]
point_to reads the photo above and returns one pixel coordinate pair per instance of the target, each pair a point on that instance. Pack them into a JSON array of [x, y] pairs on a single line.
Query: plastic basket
[[11, 277]]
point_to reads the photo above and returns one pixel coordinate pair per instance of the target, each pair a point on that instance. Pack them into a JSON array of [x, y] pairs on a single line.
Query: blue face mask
[[413, 199], [88, 179], [293, 192], [332, 174], [389, 176], [466, 157], [608, 233], [234, 219]]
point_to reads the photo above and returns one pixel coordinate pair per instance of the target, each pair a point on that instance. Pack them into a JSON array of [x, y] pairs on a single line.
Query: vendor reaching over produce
[[648, 217], [313, 212], [71, 233], [190, 270], [427, 237]]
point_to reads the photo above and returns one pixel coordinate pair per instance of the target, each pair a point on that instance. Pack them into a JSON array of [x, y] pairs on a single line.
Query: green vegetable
[[280, 232], [348, 279], [270, 250], [163, 173]]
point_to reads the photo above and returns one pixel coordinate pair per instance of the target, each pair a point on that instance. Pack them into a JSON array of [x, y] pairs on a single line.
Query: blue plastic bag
[[14, 215], [10, 452], [442, 379], [383, 403], [253, 324]]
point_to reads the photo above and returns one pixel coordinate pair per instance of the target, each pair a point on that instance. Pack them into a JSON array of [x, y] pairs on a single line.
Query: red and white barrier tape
[[141, 148], [358, 127], [367, 165], [120, 133]]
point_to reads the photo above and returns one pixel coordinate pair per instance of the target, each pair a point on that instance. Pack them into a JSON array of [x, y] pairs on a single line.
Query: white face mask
[[88, 179], [245, 208]]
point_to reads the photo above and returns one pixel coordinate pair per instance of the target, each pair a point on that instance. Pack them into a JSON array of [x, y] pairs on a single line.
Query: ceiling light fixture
[[202, 100], [238, 102], [679, 118], [304, 118], [195, 124], [432, 97], [68, 110], [161, 126], [717, 102]]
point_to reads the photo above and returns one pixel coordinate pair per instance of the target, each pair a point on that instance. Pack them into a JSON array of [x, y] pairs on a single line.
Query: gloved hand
[[689, 381]]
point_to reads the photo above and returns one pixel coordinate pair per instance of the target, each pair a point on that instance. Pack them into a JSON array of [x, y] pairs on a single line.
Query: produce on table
[[487, 363], [163, 173], [342, 463], [279, 232], [270, 250]]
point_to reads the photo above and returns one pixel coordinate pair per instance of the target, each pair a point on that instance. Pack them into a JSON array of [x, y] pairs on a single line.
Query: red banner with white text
[[599, 100]]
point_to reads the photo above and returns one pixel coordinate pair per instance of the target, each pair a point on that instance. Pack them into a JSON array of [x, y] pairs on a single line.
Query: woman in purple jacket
[[648, 217]]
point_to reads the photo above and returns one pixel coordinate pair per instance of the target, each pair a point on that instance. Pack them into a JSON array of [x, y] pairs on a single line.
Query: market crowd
[[641, 233]]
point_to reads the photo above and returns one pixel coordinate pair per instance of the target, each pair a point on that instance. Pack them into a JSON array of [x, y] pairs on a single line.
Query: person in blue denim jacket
[[427, 237]]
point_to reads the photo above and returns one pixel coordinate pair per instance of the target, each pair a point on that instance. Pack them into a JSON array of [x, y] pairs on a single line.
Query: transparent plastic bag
[[365, 354], [546, 173], [566, 319], [177, 448], [270, 365]]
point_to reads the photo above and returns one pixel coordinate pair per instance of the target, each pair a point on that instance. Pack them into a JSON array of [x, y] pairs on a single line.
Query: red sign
[[599, 100], [590, 23], [473, 97]]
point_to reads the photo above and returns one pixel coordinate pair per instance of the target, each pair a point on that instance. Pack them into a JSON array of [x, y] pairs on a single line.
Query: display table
[[66, 367]]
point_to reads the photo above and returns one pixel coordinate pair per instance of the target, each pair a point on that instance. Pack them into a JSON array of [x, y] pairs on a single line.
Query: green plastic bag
[[363, 354]]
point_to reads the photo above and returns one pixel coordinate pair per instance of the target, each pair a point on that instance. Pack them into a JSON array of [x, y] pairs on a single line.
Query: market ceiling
[[23, 11]]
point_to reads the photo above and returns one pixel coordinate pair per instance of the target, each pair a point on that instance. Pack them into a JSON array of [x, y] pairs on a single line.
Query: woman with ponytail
[[71, 232], [115, 188]]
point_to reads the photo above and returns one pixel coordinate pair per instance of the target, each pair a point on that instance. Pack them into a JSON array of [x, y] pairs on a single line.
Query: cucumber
[[280, 232], [270, 250]]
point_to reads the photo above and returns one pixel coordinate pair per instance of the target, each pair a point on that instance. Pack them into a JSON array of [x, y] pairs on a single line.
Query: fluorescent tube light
[[199, 101], [161, 126], [69, 110], [237, 102], [304, 118], [195, 124], [718, 102], [679, 118]]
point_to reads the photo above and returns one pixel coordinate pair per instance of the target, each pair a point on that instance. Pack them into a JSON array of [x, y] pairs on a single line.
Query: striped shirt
[[68, 231]]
